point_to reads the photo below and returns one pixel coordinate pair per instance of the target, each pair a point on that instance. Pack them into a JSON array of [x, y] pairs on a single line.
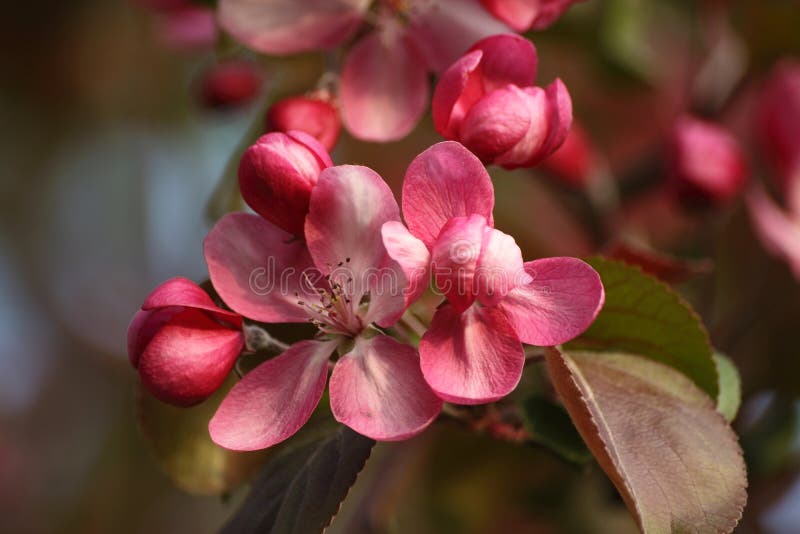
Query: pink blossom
[[706, 162], [342, 280], [487, 101], [472, 352], [229, 84], [277, 174], [182, 343], [524, 15], [778, 229], [314, 115], [575, 161], [384, 88]]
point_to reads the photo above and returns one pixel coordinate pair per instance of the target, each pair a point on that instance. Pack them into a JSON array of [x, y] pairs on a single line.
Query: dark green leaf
[[644, 316], [301, 488]]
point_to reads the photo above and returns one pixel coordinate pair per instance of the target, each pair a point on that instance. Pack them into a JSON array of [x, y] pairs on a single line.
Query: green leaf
[[549, 425], [730, 387], [300, 489], [644, 316], [179, 438], [674, 459]]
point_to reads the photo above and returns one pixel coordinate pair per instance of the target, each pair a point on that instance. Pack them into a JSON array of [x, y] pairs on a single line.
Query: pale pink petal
[[456, 92], [282, 27], [445, 181], [508, 59], [455, 257], [499, 269], [530, 146], [472, 357], [384, 87], [779, 233], [411, 254], [378, 390], [189, 358], [559, 117], [257, 268], [523, 15], [273, 400], [181, 291], [496, 123], [557, 303], [443, 30], [387, 294]]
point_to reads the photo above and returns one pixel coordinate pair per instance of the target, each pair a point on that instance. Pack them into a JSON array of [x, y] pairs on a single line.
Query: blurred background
[[112, 150]]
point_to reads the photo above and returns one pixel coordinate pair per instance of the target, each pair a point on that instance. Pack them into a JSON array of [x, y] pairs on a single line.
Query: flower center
[[335, 311]]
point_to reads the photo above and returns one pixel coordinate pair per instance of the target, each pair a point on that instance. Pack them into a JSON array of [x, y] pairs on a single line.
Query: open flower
[[384, 84], [472, 352], [182, 344], [487, 101], [524, 15], [342, 280]]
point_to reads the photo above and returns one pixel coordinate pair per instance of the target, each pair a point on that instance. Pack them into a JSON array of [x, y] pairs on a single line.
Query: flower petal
[[282, 27], [144, 325], [559, 301], [384, 87], [779, 233], [445, 29], [181, 291], [411, 254], [457, 90], [472, 357], [258, 269], [523, 15], [499, 269], [314, 116], [273, 400], [455, 258], [378, 390], [508, 59], [189, 358], [496, 123], [443, 182]]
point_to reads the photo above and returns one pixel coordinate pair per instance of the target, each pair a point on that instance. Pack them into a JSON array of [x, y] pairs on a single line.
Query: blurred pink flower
[[183, 345], [706, 163], [230, 84], [342, 280], [472, 352], [182, 25], [384, 86], [314, 115], [487, 101], [777, 228], [524, 15], [575, 160], [277, 174]]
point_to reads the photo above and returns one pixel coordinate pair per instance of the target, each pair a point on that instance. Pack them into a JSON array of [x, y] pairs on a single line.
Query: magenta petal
[[508, 59], [181, 291], [384, 87], [530, 147], [144, 325], [378, 390], [559, 117], [445, 29], [472, 357], [443, 182], [411, 254], [559, 301], [257, 268], [457, 90], [189, 358], [779, 233], [281, 27], [500, 267], [519, 14], [497, 122], [274, 400], [455, 258]]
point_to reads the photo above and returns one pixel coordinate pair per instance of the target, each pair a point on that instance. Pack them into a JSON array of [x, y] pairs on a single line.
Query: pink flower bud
[[276, 176], [524, 15], [182, 344], [315, 116], [778, 121], [487, 101], [706, 163], [230, 84]]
